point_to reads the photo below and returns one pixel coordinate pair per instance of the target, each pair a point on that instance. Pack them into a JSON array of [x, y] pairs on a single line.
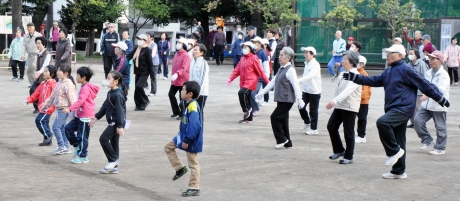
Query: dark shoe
[[410, 126], [46, 142], [180, 173], [35, 112], [137, 109], [336, 155], [244, 121], [346, 161], [174, 116], [191, 192], [247, 114]]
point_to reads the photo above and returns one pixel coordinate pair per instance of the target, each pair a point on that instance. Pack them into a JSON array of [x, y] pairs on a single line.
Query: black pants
[[109, 142], [153, 79], [244, 95], [276, 65], [362, 119], [453, 74], [32, 89], [108, 64], [14, 68], [392, 133], [53, 45], [219, 54], [348, 118], [140, 98], [172, 99], [313, 100], [280, 123]]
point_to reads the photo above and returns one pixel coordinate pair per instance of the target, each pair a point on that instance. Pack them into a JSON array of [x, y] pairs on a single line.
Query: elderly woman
[[63, 49], [249, 69], [420, 67], [347, 100], [287, 91], [15, 54], [54, 35]]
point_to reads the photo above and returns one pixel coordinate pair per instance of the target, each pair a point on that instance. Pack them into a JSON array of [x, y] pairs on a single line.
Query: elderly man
[[415, 42], [251, 31], [30, 48], [111, 37], [310, 83], [400, 83], [338, 47], [426, 39], [430, 109], [287, 91]]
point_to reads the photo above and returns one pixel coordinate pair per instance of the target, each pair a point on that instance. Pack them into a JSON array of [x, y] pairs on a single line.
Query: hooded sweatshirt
[[42, 92], [85, 104], [114, 108]]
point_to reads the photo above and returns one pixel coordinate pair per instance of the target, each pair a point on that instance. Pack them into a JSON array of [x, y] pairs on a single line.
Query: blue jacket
[[129, 43], [122, 66], [164, 46], [236, 47], [191, 128], [401, 83]]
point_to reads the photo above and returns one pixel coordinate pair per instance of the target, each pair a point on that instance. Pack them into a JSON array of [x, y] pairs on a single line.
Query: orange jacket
[[366, 91]]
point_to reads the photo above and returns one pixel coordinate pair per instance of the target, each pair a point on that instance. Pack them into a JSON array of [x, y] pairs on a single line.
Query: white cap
[[309, 48], [250, 44], [121, 45], [398, 39], [183, 41], [142, 36], [191, 41], [396, 48], [362, 60], [257, 39], [264, 41]]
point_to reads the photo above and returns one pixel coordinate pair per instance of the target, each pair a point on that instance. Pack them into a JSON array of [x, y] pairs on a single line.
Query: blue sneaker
[[75, 152], [105, 171], [77, 160]]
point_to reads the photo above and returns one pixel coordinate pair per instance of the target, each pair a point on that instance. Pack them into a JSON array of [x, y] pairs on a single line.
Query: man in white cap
[[310, 84], [400, 83]]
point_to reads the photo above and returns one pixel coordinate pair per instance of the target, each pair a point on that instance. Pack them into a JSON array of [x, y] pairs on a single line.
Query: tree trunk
[[74, 19], [135, 31], [17, 16], [90, 50]]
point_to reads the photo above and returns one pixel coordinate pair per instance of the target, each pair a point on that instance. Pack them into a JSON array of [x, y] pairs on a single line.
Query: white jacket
[[348, 94], [442, 81], [310, 82]]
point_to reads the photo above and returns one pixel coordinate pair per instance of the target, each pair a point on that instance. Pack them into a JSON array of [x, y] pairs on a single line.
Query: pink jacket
[[181, 66], [249, 70], [452, 56], [85, 104]]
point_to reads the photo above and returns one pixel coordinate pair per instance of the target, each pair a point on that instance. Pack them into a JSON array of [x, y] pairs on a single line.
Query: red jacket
[[85, 104], [249, 70], [181, 66], [42, 92]]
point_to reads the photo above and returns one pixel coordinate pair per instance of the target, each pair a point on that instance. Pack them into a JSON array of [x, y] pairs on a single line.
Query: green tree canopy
[[142, 12], [342, 16]]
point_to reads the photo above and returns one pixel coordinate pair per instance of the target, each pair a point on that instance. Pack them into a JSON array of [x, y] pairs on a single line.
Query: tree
[[143, 9], [397, 16], [38, 10], [342, 16], [276, 13], [17, 16]]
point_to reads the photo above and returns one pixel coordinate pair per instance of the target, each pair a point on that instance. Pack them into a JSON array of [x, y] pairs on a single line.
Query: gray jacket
[[29, 46], [63, 50], [420, 67]]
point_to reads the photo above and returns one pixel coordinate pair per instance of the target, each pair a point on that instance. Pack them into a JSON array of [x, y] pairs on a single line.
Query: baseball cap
[[398, 39], [264, 41], [351, 38], [437, 54], [251, 28], [426, 36], [396, 48], [362, 60], [428, 48], [257, 39], [121, 45], [309, 48], [30, 24], [142, 37], [250, 44]]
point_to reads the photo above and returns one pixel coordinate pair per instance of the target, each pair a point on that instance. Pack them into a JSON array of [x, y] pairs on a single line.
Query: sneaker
[[113, 171], [346, 161], [165, 78], [147, 88], [305, 127], [279, 146], [437, 152], [19, 79], [394, 176], [75, 152], [151, 94], [456, 83], [311, 132], [66, 151], [80, 160], [360, 139], [14, 78], [247, 114], [191, 192], [57, 151], [393, 159], [174, 116], [256, 113], [244, 121], [264, 104], [410, 126], [336, 155], [111, 165], [35, 112], [333, 78], [46, 142], [179, 173], [427, 145], [178, 118]]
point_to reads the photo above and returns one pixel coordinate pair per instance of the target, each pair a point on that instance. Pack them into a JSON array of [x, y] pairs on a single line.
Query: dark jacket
[[164, 46], [114, 108], [401, 83], [219, 39], [129, 43], [279, 47], [191, 128], [248, 38], [122, 66], [63, 49], [145, 61], [210, 38], [106, 44]]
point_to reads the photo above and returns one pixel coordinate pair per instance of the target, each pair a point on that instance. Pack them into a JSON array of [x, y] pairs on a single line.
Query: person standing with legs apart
[[219, 42], [346, 101], [107, 51], [310, 84], [338, 47], [30, 49], [114, 109], [430, 109], [287, 91], [452, 58], [400, 83], [180, 74], [142, 58], [84, 111], [249, 69], [189, 139], [163, 50], [16, 55], [199, 72], [155, 61], [364, 107], [63, 96], [420, 67]]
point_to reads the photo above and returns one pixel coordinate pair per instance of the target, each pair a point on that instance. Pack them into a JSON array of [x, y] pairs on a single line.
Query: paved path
[[239, 162]]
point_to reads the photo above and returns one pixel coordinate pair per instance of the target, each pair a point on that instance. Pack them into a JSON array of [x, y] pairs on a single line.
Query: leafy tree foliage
[[342, 16]]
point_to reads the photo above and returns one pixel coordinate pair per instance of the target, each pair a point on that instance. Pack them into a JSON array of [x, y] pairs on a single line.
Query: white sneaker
[[360, 139], [279, 146], [57, 151], [151, 94], [393, 159], [256, 113], [427, 145], [263, 104], [111, 165], [437, 152], [456, 83], [305, 127], [311, 132], [394, 176]]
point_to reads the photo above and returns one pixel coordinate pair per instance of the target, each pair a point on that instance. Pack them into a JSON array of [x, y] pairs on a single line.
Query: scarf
[[136, 54]]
